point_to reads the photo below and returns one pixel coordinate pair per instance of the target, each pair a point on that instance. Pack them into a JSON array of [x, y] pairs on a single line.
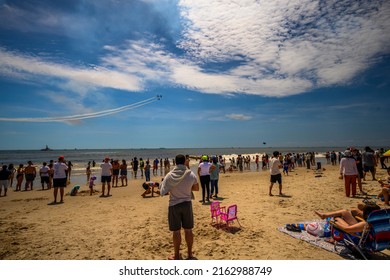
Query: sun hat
[[347, 153], [61, 158]]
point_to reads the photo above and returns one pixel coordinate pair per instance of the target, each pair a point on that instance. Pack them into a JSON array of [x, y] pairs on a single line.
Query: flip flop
[[293, 228]]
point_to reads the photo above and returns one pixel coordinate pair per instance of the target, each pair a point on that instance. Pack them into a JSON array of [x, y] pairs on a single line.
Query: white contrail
[[84, 116]]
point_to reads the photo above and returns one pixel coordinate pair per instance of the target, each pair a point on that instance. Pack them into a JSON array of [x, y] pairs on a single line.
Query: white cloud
[[14, 64], [271, 48], [239, 117]]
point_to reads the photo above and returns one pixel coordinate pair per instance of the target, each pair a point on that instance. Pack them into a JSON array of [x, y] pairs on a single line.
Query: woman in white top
[[349, 171], [204, 176]]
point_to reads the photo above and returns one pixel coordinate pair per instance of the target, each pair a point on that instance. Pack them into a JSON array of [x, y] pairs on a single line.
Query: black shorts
[[180, 216], [115, 172], [105, 179], [30, 177], [276, 178], [59, 183], [369, 168], [45, 179]]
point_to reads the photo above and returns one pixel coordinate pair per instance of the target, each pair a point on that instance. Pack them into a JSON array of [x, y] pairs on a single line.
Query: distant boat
[[46, 149]]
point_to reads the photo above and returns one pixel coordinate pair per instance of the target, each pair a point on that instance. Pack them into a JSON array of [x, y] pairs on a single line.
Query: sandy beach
[[126, 226]]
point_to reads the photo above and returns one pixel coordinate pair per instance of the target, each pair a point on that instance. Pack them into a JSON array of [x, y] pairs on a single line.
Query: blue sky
[[231, 73]]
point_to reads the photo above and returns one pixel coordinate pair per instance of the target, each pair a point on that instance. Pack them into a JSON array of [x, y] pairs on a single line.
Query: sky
[[299, 73]]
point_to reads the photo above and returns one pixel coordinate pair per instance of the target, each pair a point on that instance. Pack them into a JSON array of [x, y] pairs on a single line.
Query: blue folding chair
[[374, 238]]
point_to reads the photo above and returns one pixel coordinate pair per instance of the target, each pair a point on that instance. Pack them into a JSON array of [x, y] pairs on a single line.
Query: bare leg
[[62, 194], [103, 188], [280, 189], [108, 188], [346, 215], [176, 244], [270, 189], [190, 241], [55, 194]]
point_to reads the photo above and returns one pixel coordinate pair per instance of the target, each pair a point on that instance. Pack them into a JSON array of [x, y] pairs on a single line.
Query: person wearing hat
[[106, 176], [204, 177], [349, 172], [59, 178]]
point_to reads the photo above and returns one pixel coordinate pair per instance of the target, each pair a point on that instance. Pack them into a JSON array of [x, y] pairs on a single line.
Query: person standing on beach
[[135, 167], [29, 172], [123, 172], [147, 170], [141, 167], [359, 165], [369, 162], [44, 174], [276, 175], [179, 183], [214, 177], [204, 177], [5, 174], [115, 173], [59, 178], [19, 177], [348, 170], [106, 176]]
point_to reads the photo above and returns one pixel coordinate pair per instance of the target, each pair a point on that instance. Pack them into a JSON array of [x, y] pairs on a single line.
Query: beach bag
[[315, 229]]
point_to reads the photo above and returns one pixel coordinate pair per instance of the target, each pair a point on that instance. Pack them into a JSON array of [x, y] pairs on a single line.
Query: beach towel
[[321, 242]]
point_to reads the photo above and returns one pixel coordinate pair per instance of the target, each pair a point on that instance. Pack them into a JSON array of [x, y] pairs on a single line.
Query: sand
[[126, 226]]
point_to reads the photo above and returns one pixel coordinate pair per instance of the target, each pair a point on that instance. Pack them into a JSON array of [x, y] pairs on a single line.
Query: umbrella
[[387, 154]]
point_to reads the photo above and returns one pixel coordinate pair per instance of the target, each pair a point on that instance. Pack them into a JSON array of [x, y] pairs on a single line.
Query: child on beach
[[75, 190], [91, 184]]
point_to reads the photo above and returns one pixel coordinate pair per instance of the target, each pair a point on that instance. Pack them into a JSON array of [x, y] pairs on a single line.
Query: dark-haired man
[[179, 183], [276, 175]]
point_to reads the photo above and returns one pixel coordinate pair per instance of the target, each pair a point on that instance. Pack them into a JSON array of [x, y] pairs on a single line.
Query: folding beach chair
[[215, 210], [374, 238], [229, 215]]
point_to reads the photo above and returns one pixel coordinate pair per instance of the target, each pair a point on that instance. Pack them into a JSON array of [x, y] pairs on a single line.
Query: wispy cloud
[[268, 48], [239, 117]]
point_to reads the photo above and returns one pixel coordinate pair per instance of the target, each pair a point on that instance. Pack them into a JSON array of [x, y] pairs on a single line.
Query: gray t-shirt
[[368, 159]]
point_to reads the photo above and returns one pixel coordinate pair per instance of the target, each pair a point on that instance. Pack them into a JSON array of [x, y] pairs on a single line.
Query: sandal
[[293, 228]]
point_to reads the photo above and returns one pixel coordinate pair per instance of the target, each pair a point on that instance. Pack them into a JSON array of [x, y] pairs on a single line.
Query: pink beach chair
[[215, 209], [230, 215]]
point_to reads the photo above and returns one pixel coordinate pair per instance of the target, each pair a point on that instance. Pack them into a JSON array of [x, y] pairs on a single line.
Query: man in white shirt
[[59, 178], [276, 175], [44, 173], [106, 176]]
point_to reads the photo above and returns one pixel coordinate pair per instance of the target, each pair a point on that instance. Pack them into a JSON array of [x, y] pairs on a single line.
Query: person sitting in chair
[[346, 221], [149, 188]]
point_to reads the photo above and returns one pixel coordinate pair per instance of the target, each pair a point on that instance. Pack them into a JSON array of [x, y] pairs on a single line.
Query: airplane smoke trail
[[85, 116]]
